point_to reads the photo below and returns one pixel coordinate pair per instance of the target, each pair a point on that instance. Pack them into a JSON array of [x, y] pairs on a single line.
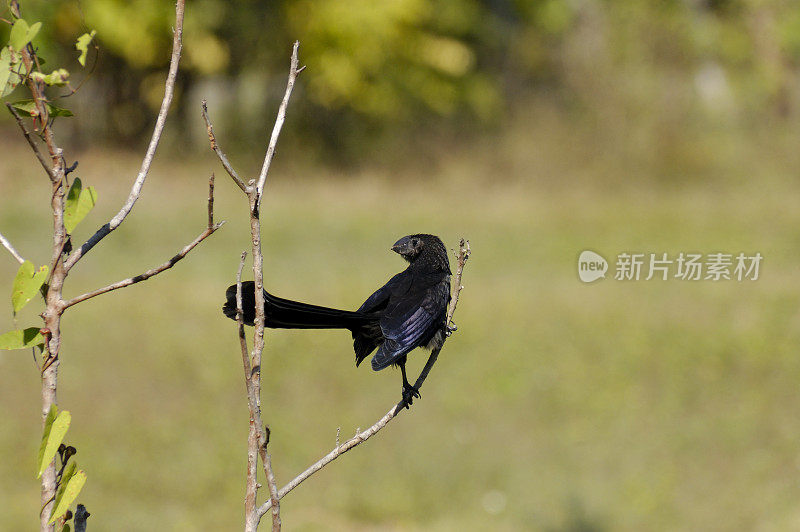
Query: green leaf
[[29, 107], [58, 111], [26, 284], [70, 494], [83, 46], [5, 69], [21, 34], [66, 528], [48, 425], [79, 203], [52, 438], [69, 472], [10, 70], [21, 339], [26, 106]]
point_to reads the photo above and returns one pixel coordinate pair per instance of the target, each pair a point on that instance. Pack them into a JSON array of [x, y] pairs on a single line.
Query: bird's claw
[[409, 394], [451, 328]]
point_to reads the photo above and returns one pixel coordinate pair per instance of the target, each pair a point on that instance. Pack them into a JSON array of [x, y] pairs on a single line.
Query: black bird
[[407, 312]]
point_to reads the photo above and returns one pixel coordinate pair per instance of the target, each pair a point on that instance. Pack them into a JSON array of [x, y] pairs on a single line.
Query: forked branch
[[210, 229], [258, 436]]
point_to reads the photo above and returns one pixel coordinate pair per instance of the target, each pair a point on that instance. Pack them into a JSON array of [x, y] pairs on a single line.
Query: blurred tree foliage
[[402, 70]]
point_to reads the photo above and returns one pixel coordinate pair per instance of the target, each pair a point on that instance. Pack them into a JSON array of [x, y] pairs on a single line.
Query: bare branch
[[361, 437], [136, 190], [149, 273], [211, 201], [10, 248], [251, 486], [32, 143], [258, 439], [248, 371], [276, 130], [212, 139]]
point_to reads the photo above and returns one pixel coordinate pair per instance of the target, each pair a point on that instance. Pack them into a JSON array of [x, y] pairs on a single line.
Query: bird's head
[[409, 247]]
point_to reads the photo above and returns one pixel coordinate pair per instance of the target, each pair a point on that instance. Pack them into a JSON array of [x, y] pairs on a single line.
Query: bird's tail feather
[[282, 313]]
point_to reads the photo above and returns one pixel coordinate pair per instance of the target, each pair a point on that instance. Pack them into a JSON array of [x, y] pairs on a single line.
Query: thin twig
[[32, 143], [211, 201], [136, 190], [10, 248], [212, 139], [362, 436], [276, 130], [251, 486], [149, 273]]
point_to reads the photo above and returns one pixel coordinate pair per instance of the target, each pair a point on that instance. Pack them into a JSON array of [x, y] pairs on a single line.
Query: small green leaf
[[21, 34], [58, 111], [52, 438], [70, 494], [79, 203], [83, 46], [26, 106], [26, 284], [66, 528], [21, 339], [29, 107]]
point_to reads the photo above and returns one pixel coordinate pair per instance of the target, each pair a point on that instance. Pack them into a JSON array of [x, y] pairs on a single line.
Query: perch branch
[[212, 139], [32, 143], [361, 437], [136, 190], [10, 248], [276, 130]]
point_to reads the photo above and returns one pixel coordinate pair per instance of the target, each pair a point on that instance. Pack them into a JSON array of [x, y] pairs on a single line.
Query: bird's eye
[[415, 242]]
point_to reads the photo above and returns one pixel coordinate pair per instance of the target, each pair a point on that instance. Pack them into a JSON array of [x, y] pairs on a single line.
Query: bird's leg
[[409, 392]]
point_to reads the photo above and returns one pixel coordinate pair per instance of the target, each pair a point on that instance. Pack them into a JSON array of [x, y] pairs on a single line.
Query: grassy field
[[660, 405]]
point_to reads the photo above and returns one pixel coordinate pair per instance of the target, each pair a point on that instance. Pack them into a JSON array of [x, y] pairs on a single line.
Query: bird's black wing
[[412, 318], [368, 338]]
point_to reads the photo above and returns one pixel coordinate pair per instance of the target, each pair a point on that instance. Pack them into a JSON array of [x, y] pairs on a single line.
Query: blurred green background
[[536, 129]]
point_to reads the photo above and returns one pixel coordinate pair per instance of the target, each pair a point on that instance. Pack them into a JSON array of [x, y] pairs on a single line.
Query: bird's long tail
[[282, 313]]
